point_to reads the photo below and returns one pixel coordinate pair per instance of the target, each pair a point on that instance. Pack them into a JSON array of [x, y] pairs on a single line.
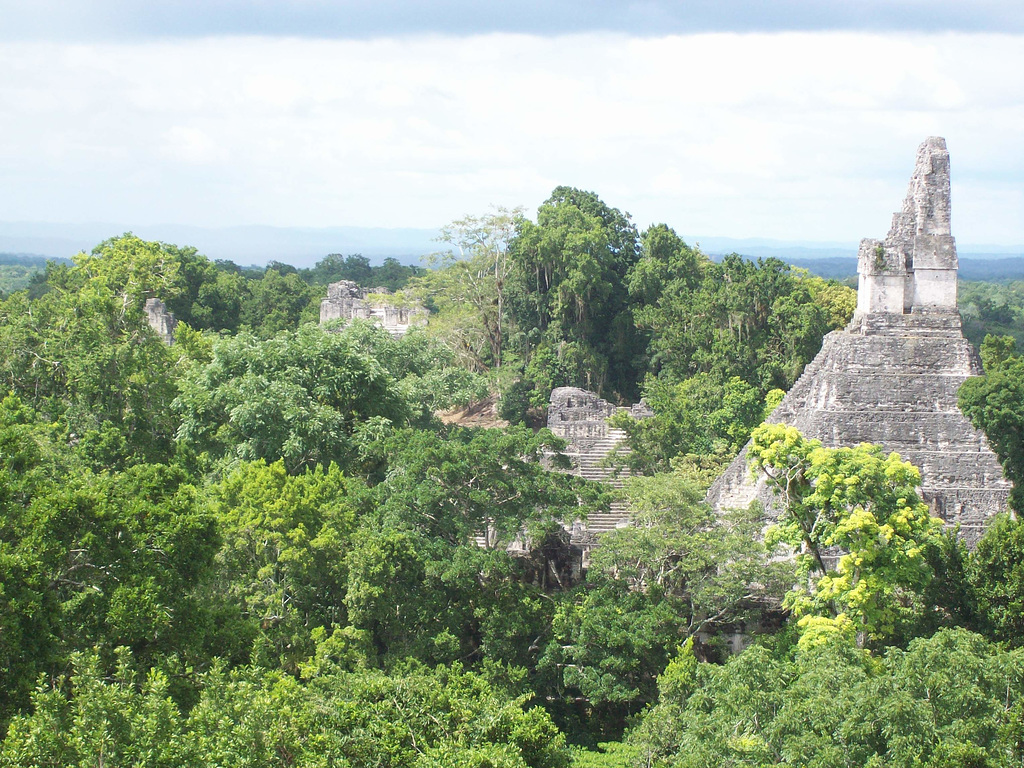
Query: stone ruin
[[347, 300], [914, 269], [891, 377], [161, 320], [581, 419]]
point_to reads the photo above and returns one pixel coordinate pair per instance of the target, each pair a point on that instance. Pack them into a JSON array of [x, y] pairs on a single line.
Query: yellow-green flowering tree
[[856, 523]]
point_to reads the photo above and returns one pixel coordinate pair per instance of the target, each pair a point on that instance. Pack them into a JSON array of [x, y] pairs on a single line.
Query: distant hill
[[27, 259], [304, 246], [299, 246], [971, 267], [839, 264]]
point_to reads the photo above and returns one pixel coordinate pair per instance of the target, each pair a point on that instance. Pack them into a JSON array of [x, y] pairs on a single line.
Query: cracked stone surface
[[891, 377], [347, 300]]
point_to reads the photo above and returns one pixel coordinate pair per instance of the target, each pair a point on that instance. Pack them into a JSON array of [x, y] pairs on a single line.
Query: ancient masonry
[[161, 320], [892, 376], [581, 419], [347, 300]]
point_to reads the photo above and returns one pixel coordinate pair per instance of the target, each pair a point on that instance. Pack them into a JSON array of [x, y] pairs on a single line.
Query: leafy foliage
[[469, 289], [426, 369], [258, 546], [94, 561], [992, 309], [83, 355], [298, 396], [419, 582], [854, 507], [995, 404], [247, 717], [568, 285], [952, 699], [391, 274], [678, 571], [762, 322], [996, 573], [285, 539], [698, 417]]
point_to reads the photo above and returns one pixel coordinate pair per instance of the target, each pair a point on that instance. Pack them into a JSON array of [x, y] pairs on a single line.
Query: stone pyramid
[[891, 377]]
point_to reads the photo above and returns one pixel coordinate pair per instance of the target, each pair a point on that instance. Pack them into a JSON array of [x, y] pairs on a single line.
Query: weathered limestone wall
[[161, 320], [892, 376], [914, 268], [581, 419], [347, 300]]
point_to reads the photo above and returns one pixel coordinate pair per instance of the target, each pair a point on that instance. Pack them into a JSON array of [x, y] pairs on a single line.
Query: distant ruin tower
[[347, 300], [914, 268], [161, 320], [892, 376]]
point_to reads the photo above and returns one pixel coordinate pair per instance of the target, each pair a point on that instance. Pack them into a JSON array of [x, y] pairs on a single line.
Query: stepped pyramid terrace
[[891, 377], [581, 419]]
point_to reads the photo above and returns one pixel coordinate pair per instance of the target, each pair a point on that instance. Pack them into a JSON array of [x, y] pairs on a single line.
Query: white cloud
[[793, 135], [191, 145]]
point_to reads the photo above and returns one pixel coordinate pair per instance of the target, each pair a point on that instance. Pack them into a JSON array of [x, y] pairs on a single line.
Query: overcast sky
[[784, 119]]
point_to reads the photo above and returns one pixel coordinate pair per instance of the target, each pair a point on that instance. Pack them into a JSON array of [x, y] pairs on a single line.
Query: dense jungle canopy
[[259, 545]]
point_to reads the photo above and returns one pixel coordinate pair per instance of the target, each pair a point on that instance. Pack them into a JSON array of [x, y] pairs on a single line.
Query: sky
[[787, 120]]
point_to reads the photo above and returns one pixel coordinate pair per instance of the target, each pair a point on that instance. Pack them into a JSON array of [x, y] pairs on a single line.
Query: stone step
[[602, 523]]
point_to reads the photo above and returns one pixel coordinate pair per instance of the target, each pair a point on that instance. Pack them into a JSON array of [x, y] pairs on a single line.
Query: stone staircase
[[591, 460], [580, 418], [891, 380]]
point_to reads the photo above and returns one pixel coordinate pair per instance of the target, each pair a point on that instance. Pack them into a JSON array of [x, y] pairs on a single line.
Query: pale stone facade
[[892, 376], [581, 419], [914, 268], [347, 300], [161, 320]]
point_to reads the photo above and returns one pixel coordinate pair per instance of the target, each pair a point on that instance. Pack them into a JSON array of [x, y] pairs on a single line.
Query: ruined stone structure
[[581, 419], [892, 376], [161, 320], [347, 300]]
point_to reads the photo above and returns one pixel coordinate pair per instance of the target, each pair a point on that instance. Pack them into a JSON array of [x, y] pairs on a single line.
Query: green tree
[[282, 562], [678, 571], [299, 396], [94, 561], [699, 416], [762, 322], [856, 501], [132, 269], [949, 700], [250, 717], [334, 267], [996, 573], [464, 483], [426, 369], [278, 302], [568, 294], [101, 720], [83, 355], [469, 283], [431, 576], [995, 404]]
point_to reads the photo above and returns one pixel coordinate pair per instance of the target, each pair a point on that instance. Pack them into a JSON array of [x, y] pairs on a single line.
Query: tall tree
[[995, 404], [282, 562], [677, 572], [569, 285], [473, 275], [83, 353], [856, 523], [299, 396]]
